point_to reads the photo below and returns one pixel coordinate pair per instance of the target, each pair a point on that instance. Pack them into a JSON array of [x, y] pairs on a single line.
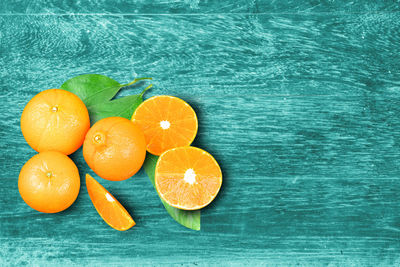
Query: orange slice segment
[[112, 212], [187, 178], [167, 122]]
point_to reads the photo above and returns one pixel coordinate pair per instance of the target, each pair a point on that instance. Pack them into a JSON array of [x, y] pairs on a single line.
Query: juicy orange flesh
[[112, 212], [180, 116], [178, 192]]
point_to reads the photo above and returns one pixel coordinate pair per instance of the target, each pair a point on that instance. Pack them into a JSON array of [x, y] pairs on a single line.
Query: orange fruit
[[187, 178], [114, 148], [49, 182], [166, 122], [56, 120], [112, 212]]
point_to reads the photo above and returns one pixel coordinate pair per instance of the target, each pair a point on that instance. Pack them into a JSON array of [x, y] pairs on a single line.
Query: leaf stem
[[145, 89], [135, 81]]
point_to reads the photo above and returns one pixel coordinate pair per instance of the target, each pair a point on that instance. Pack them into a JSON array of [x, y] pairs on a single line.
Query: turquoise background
[[299, 101]]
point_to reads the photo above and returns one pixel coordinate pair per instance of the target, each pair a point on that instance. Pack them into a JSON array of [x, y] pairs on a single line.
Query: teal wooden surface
[[299, 101]]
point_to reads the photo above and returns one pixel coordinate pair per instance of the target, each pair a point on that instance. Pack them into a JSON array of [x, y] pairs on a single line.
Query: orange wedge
[[112, 212], [187, 178], [167, 122]]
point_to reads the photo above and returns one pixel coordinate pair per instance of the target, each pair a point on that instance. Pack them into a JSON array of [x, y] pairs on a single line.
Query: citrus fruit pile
[[56, 123]]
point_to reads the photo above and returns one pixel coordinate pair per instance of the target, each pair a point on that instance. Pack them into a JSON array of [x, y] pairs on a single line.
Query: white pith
[[109, 197], [165, 124], [190, 176]]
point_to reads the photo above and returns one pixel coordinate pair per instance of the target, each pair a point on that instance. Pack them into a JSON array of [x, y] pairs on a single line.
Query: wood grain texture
[[302, 111], [195, 6], [229, 54]]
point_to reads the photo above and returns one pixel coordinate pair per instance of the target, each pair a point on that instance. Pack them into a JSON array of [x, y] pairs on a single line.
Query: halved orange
[[187, 178], [112, 212], [167, 122]]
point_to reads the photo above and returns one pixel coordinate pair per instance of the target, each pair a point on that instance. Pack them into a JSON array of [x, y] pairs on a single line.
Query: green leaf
[[92, 89], [189, 219], [121, 107]]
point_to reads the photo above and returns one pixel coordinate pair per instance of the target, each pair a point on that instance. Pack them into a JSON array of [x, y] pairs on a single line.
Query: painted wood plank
[[262, 220], [351, 55], [314, 136], [195, 6], [295, 136]]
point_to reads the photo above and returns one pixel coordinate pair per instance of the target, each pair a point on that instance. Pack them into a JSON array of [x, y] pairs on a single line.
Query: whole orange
[[56, 120], [49, 182], [114, 148]]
